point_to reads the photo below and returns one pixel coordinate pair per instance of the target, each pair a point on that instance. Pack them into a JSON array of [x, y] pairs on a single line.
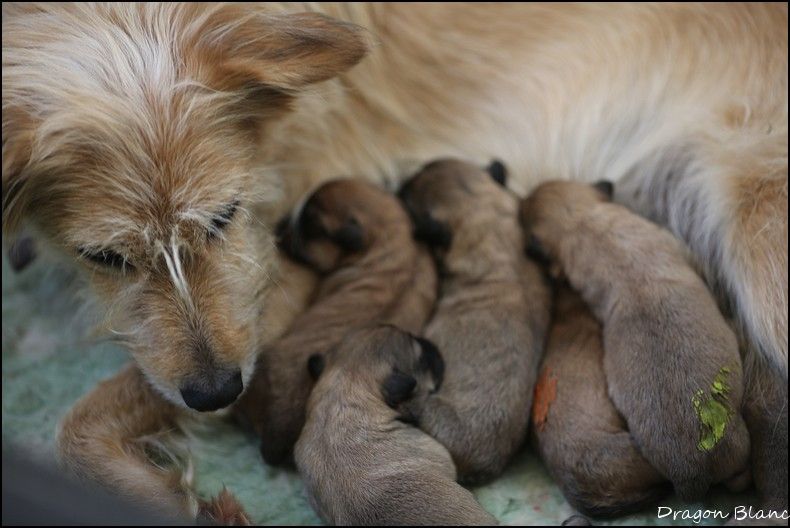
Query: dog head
[[551, 210], [339, 222], [130, 135], [448, 195], [395, 365]]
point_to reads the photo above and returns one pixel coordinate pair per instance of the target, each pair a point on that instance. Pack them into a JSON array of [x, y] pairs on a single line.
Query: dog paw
[[223, 510]]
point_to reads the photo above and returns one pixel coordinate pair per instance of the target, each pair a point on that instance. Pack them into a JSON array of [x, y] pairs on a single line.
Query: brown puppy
[[671, 362], [491, 317], [359, 238], [579, 434], [362, 462], [131, 130]]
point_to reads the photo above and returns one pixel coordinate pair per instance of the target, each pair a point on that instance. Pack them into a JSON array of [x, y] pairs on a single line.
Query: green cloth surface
[[51, 358]]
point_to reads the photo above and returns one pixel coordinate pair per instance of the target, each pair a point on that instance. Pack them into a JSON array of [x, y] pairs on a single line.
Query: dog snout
[[218, 392]]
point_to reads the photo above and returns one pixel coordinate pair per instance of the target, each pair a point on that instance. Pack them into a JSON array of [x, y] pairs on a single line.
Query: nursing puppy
[[491, 316], [132, 130], [579, 434], [671, 361], [362, 462], [358, 237]]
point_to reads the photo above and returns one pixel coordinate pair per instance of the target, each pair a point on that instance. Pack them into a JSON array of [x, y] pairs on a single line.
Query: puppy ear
[[431, 359], [498, 172], [350, 236], [535, 250], [605, 187], [287, 51], [432, 232], [315, 366], [21, 253], [397, 388]]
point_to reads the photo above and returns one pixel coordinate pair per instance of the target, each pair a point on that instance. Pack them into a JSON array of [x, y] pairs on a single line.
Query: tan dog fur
[[132, 127], [389, 279], [490, 320], [663, 334], [361, 464], [581, 437]]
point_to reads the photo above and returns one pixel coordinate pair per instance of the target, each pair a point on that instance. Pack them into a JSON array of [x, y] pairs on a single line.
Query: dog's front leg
[[107, 437], [728, 202]]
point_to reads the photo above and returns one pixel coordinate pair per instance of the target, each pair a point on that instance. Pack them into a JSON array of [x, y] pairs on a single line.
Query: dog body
[[148, 142], [490, 319], [579, 434], [671, 360], [376, 273], [362, 465]]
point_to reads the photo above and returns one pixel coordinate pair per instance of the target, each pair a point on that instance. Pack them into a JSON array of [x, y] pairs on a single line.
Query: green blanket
[[50, 359]]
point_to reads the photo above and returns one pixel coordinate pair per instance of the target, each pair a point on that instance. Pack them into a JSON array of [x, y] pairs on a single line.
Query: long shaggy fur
[[135, 127]]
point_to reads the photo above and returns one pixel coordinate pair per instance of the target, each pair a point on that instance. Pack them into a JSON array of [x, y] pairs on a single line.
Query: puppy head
[[130, 137], [445, 194], [339, 222], [395, 365], [551, 210]]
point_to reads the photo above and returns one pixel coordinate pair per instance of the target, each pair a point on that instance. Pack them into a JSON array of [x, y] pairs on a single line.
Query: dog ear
[[284, 51], [432, 232], [350, 236], [431, 360], [535, 250], [605, 187], [498, 172], [315, 366], [397, 388]]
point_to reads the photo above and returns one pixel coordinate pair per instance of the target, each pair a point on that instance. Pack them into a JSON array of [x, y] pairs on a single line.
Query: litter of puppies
[[639, 391]]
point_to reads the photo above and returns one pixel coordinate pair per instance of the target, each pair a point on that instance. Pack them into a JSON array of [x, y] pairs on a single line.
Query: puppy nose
[[218, 393]]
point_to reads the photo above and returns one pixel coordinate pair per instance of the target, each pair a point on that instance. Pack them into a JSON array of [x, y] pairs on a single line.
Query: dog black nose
[[209, 396]]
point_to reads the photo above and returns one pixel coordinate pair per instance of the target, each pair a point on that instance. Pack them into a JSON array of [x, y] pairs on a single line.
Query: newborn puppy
[[671, 361], [491, 316], [579, 434], [358, 237], [361, 460]]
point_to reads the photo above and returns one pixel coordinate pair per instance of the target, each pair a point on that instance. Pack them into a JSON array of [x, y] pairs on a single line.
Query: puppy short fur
[[490, 319], [666, 343], [361, 462], [358, 237], [579, 434], [130, 130]]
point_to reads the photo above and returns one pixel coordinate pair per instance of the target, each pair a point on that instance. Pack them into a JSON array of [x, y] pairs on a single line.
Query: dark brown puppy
[[362, 462], [359, 238], [578, 432], [672, 363], [491, 317]]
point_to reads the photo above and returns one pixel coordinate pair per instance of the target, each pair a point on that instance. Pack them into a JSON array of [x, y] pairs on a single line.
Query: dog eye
[[221, 220], [107, 258]]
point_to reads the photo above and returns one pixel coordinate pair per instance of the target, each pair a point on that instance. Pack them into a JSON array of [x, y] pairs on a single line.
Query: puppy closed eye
[[107, 258]]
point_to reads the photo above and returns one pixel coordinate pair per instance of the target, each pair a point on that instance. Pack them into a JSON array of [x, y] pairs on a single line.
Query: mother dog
[[155, 144]]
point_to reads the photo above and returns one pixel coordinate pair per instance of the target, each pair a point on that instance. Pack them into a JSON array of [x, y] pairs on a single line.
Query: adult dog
[[147, 142]]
